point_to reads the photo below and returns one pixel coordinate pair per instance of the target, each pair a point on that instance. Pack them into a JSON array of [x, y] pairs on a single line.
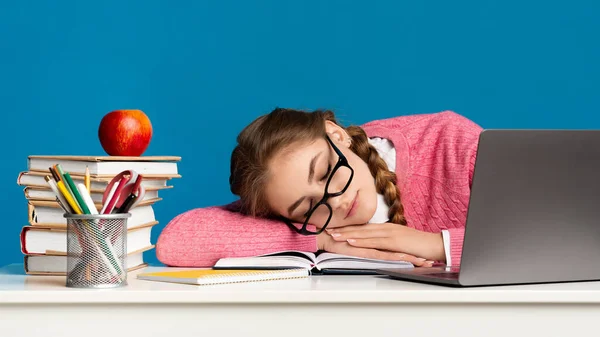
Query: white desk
[[320, 305]]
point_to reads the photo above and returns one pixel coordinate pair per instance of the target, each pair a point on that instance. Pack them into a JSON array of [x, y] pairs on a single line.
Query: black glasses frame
[[342, 162]]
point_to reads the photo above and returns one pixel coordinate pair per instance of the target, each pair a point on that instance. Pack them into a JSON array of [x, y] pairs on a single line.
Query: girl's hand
[[392, 237], [327, 243]]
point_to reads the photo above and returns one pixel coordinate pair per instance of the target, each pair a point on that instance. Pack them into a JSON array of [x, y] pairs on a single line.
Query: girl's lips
[[354, 207]]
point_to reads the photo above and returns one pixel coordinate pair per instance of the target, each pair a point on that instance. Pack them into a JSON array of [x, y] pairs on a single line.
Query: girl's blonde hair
[[270, 134]]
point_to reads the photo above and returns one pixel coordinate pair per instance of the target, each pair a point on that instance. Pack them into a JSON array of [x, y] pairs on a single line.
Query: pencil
[[86, 179], [61, 187]]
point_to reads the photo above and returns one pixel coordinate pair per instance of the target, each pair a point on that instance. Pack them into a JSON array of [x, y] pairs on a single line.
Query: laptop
[[534, 212]]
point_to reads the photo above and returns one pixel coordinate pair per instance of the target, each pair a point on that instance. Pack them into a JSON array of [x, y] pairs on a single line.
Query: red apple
[[125, 132]]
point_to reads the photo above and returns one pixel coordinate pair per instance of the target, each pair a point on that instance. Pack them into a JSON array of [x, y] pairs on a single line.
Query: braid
[[385, 180]]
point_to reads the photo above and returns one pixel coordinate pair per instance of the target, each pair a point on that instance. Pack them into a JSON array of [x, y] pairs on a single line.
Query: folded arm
[[201, 236]]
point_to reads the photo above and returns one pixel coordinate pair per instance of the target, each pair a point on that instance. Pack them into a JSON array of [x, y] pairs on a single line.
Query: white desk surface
[[332, 305], [18, 288]]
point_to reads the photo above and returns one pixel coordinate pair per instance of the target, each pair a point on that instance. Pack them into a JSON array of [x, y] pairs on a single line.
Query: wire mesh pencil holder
[[96, 250]]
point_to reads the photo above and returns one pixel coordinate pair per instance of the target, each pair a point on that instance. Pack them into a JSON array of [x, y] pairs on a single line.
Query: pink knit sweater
[[435, 157]]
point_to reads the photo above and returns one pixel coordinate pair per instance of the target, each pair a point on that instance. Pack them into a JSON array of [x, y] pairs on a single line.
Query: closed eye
[[326, 173], [310, 206]]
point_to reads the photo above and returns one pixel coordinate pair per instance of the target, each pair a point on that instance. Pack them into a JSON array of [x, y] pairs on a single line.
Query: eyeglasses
[[321, 212]]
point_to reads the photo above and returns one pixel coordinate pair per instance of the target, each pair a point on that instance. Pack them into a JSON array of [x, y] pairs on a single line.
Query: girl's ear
[[337, 134]]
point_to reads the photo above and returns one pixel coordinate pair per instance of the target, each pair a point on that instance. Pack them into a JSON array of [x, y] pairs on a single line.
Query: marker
[[87, 198]]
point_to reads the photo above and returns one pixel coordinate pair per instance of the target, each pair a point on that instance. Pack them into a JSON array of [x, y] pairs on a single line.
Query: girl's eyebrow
[[311, 167]]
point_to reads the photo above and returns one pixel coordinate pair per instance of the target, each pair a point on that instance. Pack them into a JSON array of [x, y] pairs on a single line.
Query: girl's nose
[[336, 202]]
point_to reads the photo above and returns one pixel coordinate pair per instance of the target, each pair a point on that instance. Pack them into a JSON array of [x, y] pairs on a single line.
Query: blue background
[[202, 70]]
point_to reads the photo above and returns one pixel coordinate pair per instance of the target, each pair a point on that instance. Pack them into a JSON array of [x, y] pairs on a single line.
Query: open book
[[319, 263]]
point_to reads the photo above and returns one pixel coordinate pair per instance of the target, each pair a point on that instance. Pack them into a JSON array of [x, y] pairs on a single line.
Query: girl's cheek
[[335, 224]]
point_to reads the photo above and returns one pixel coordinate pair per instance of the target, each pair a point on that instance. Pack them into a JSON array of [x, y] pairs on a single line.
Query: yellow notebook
[[211, 276]]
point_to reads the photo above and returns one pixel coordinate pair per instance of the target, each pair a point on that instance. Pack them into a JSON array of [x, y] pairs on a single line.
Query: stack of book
[[44, 237]]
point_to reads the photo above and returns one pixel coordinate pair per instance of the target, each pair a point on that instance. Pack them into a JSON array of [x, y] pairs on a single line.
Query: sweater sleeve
[[201, 236], [456, 242], [470, 132]]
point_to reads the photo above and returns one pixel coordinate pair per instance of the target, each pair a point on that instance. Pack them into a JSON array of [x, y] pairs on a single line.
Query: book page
[[305, 255], [277, 260], [331, 260]]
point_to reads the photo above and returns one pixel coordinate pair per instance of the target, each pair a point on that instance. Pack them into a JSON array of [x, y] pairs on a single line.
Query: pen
[[59, 197], [54, 174], [62, 205], [127, 203]]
